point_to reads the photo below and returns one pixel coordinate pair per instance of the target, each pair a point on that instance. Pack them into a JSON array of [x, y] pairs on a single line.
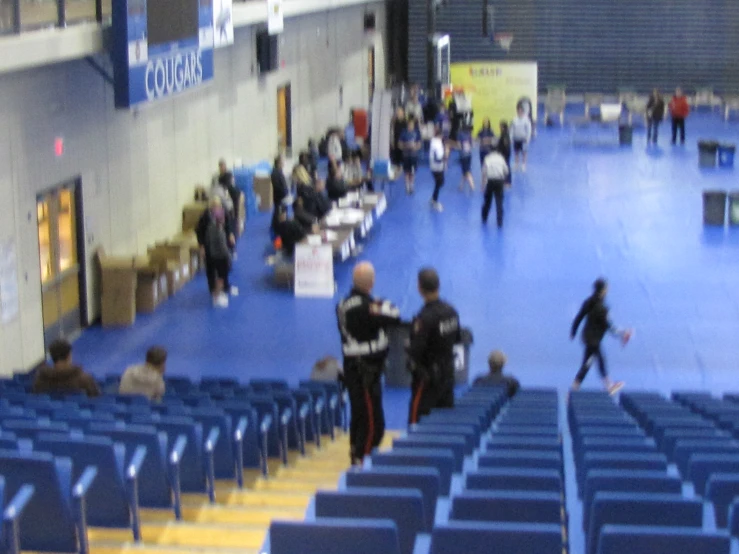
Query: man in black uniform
[[362, 321], [434, 333], [596, 326]]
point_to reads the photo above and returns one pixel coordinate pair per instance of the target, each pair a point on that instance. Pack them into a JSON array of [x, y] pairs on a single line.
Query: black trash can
[[396, 371], [734, 208], [707, 150], [625, 134], [714, 207]]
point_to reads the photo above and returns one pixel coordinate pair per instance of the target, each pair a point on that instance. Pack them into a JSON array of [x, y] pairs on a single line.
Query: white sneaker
[[220, 301], [233, 291], [523, 168], [438, 207]]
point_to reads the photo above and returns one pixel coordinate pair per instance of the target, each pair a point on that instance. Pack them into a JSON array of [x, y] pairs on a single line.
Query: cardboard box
[[263, 187], [161, 253], [118, 310], [147, 294], [174, 278], [163, 287], [185, 273], [191, 214], [194, 263]]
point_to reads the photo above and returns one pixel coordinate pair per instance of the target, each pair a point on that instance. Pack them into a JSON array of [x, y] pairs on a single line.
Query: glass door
[[57, 217]]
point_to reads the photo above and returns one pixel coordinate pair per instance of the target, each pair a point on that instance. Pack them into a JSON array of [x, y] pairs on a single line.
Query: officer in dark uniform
[[434, 332], [362, 322]]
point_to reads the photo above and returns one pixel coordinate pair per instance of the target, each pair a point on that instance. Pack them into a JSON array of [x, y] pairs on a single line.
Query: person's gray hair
[[496, 360]]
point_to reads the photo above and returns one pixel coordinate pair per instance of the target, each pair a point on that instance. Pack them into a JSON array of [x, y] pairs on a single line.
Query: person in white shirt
[[494, 173], [413, 107], [437, 164], [521, 135], [334, 149]]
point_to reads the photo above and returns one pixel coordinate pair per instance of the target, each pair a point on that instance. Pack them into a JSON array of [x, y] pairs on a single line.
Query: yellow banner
[[496, 88]]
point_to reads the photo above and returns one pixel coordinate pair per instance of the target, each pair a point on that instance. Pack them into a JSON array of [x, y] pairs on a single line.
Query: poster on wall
[[275, 21], [496, 88], [223, 23], [9, 302], [314, 271]]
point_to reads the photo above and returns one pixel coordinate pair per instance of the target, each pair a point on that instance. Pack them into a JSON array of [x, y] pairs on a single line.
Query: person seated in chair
[[291, 233], [354, 175], [64, 377], [306, 219], [335, 185], [146, 379], [495, 377]]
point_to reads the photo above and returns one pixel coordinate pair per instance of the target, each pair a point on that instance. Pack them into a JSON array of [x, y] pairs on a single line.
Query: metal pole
[[61, 13], [431, 30], [17, 16], [99, 11]]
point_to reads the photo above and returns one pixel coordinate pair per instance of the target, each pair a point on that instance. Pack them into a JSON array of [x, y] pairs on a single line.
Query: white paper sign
[[223, 24], [314, 271], [9, 303], [275, 22]]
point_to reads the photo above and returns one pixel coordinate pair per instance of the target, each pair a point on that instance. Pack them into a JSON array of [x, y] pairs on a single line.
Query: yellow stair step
[[290, 485], [187, 535], [267, 499], [228, 515], [133, 548]]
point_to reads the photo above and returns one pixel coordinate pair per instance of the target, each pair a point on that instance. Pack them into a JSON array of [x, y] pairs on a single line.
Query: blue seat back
[[722, 489], [403, 506], [701, 466], [531, 459], [285, 401], [107, 501], [515, 430], [515, 479], [192, 463], [47, 523], [424, 479], [334, 536], [304, 397], [154, 485], [466, 431], [518, 538], [250, 446], [223, 453], [455, 445], [618, 539], [268, 385], [29, 429], [684, 449], [621, 460], [511, 506], [441, 460], [617, 508], [625, 480], [552, 444]]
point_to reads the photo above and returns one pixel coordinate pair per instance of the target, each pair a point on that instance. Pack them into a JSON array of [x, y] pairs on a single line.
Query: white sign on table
[[275, 18], [9, 303], [314, 271]]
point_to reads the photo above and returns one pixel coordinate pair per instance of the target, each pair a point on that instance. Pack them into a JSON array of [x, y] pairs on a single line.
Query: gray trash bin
[[714, 207], [625, 135], [396, 370], [707, 150], [734, 208]]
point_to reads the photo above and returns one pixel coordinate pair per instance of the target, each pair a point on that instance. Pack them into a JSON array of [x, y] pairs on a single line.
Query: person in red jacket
[[679, 110]]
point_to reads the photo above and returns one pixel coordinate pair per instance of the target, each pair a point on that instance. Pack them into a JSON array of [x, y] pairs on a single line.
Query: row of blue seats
[[502, 496], [624, 480]]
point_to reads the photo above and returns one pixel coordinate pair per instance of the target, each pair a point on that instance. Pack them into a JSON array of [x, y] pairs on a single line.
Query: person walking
[[486, 141], [655, 114], [679, 110], [464, 144], [437, 164], [504, 147], [521, 136], [363, 320], [399, 126], [411, 143], [597, 323], [434, 332], [215, 235], [494, 173]]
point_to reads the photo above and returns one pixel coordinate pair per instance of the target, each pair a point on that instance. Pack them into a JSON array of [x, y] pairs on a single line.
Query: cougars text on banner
[[496, 88]]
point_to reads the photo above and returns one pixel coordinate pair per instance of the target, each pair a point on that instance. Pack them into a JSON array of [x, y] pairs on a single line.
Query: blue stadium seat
[[618, 444], [701, 466], [467, 432], [511, 506], [625, 480], [441, 460], [403, 506], [722, 489], [496, 442], [12, 513], [472, 420], [288, 411], [610, 432], [158, 478], [506, 430], [697, 426], [514, 479], [617, 508], [618, 539], [685, 448], [518, 538], [621, 460], [52, 519], [24, 429], [455, 445], [671, 436], [531, 459], [334, 536], [237, 414], [424, 479], [334, 403], [268, 385], [112, 497], [304, 398]]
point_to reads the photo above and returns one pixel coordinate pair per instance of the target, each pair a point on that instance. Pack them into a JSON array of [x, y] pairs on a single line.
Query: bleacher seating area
[[226, 467]]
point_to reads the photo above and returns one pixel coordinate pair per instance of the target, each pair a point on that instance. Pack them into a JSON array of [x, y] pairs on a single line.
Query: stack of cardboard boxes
[[151, 286], [191, 214], [173, 260], [118, 285]]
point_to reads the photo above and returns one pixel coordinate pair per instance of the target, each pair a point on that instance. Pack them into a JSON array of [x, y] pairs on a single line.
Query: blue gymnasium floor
[[632, 215]]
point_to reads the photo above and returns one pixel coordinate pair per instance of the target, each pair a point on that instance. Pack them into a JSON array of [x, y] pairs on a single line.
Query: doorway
[[371, 72], [63, 298], [284, 120]]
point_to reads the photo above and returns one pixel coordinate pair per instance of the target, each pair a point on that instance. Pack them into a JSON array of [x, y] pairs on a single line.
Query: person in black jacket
[[597, 323], [290, 231], [335, 185], [215, 236], [655, 115], [434, 332], [363, 321], [496, 378], [504, 147], [279, 190]]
